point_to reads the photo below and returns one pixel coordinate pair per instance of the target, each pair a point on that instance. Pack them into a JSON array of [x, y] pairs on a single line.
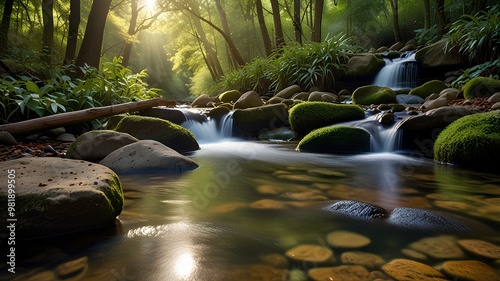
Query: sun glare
[[150, 5]]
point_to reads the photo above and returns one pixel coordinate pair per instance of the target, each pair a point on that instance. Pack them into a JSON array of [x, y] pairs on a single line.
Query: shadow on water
[[250, 200]]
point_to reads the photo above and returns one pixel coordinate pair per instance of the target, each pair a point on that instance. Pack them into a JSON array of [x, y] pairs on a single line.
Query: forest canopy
[[188, 46]]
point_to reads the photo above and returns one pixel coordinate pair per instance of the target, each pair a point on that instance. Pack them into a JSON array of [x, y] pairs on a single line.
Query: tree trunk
[[278, 28], [427, 14], [74, 23], [297, 25], [318, 18], [395, 20], [4, 27], [226, 33], [79, 116], [90, 50], [441, 18], [48, 31], [134, 11], [211, 55], [263, 28]]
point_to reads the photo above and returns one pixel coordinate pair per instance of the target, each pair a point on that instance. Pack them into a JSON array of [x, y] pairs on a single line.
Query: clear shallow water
[[249, 203]]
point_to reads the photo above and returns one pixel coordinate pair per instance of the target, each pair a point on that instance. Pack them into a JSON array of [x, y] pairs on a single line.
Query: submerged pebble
[[310, 253], [347, 239]]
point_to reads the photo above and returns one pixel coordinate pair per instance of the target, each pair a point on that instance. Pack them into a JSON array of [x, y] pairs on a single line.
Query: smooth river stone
[[327, 173], [340, 273], [415, 255], [347, 239], [470, 270], [367, 260], [275, 260], [75, 269], [305, 196], [453, 205], [442, 247], [268, 204], [408, 270], [480, 248], [310, 253], [356, 209]]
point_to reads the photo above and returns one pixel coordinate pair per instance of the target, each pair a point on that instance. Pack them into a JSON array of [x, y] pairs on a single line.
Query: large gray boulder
[[425, 220], [435, 118], [147, 156], [248, 100], [364, 65], [436, 55], [95, 145], [55, 196]]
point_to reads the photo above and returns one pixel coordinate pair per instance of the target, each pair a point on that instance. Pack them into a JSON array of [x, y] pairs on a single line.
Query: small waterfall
[[384, 137], [400, 73], [210, 130]]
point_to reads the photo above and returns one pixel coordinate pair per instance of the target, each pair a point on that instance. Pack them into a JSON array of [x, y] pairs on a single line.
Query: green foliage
[[336, 139], [478, 36], [426, 36], [472, 141], [307, 116], [489, 69], [30, 97], [311, 65]]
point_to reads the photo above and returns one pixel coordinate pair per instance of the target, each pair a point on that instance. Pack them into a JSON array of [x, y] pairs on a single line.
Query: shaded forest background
[[188, 46]]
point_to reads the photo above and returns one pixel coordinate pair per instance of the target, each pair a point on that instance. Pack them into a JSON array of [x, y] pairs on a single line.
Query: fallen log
[[80, 116]]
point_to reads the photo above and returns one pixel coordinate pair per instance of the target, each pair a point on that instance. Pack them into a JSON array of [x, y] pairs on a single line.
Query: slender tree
[[441, 18], [318, 19], [297, 25], [4, 27], [263, 28], [90, 50], [395, 20], [48, 30], [427, 14], [233, 50], [74, 23], [278, 28]]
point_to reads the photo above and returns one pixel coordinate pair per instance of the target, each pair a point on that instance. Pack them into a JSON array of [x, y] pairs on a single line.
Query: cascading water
[[384, 137], [400, 73], [210, 130]]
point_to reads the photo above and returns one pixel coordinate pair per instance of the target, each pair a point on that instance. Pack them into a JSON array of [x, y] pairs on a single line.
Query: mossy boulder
[[230, 96], [166, 132], [481, 87], [428, 88], [471, 141], [372, 94], [308, 116], [252, 121], [56, 196], [336, 139]]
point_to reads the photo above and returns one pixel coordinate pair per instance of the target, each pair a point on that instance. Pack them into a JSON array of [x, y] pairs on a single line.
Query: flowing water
[[399, 73], [249, 202]]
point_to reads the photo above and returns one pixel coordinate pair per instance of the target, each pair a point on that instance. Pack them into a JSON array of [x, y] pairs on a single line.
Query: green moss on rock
[[428, 88], [336, 139], [307, 116], [481, 87], [372, 94], [166, 132], [230, 96], [471, 141]]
